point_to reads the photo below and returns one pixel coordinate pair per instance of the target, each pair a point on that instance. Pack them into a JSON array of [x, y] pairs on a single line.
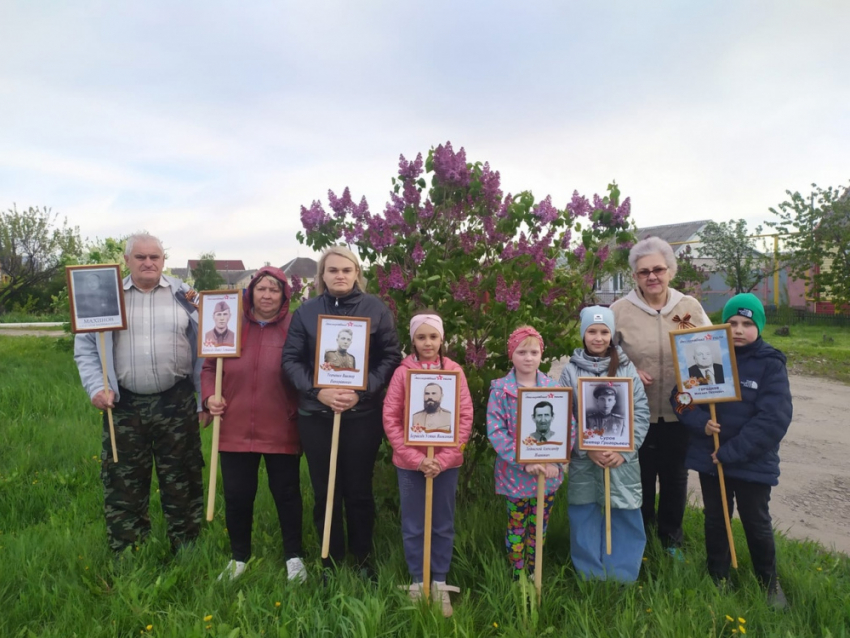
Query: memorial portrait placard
[[543, 425], [606, 414], [432, 408], [220, 329], [706, 370], [96, 297], [342, 352]]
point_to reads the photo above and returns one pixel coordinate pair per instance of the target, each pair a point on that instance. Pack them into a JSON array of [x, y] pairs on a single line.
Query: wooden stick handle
[[608, 511], [429, 510], [722, 479], [219, 363], [538, 550], [329, 503], [106, 392]]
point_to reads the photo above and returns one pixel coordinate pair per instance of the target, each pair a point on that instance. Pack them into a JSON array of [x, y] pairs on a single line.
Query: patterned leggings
[[520, 537]]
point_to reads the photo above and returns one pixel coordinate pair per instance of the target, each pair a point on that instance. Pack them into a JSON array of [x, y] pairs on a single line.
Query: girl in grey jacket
[[586, 491]]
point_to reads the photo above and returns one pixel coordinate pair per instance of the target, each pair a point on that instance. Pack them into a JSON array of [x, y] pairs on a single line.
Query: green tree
[[690, 276], [205, 275], [487, 262], [733, 248], [815, 232], [34, 248]]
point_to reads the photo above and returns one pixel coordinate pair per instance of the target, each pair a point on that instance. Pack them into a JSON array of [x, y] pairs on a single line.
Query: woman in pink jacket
[[427, 338], [258, 411]]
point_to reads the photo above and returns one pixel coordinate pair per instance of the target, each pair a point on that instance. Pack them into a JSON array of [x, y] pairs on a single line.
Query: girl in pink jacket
[[427, 338], [518, 483]]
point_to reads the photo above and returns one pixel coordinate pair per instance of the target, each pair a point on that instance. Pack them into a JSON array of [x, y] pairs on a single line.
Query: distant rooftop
[[672, 233], [220, 264], [301, 267]]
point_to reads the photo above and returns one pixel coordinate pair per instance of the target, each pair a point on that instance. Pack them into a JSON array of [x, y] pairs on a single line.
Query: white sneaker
[[234, 569], [295, 570], [440, 593]]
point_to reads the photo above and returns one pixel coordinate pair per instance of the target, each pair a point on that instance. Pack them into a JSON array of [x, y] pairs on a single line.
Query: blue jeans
[[411, 488]]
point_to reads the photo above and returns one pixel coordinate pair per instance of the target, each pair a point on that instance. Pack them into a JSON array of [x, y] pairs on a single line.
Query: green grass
[[57, 577], [20, 317], [822, 351]]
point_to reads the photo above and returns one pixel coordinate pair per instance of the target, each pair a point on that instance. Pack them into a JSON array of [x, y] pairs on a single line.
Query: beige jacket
[[644, 335]]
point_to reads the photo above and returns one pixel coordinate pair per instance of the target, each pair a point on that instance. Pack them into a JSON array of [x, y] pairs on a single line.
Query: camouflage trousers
[[161, 428]]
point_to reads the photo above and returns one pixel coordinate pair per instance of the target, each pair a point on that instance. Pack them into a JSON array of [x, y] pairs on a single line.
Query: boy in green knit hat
[[750, 431]]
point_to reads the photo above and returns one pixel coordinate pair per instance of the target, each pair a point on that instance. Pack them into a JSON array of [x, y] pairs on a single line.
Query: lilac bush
[[486, 261]]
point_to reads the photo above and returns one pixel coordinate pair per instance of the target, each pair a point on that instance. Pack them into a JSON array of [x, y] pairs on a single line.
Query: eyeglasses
[[657, 271]]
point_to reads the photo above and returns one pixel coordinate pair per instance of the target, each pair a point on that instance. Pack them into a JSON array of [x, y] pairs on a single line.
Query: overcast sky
[[210, 123]]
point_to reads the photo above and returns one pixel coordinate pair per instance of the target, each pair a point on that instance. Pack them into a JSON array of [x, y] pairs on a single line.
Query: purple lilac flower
[[602, 253], [550, 296], [544, 210], [578, 206], [410, 170], [475, 355], [623, 211], [580, 252], [314, 218], [508, 295], [341, 206], [396, 278], [418, 254], [450, 167], [427, 211], [490, 182], [565, 240], [381, 276], [295, 285], [503, 209]]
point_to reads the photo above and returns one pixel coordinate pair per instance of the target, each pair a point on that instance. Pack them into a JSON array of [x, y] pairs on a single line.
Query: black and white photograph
[[543, 425], [341, 352], [606, 414], [432, 407], [220, 330], [96, 297], [706, 371]]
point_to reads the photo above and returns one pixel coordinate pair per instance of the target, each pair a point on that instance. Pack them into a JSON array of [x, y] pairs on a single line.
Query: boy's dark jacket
[[750, 429]]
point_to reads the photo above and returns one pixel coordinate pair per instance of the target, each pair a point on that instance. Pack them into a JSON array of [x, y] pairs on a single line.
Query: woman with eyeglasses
[[644, 319]]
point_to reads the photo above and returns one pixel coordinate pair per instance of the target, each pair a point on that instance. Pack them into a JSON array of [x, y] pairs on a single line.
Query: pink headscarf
[[519, 335], [430, 320]]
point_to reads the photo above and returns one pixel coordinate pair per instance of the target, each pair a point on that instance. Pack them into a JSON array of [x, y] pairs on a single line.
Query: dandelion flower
[[644, 559], [149, 627], [496, 625], [741, 629], [208, 618], [277, 604], [729, 618], [649, 610], [208, 627], [742, 621], [819, 568]]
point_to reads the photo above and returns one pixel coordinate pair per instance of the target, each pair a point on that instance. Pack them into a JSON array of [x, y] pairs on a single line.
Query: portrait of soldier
[[604, 417], [434, 418], [543, 413], [221, 335], [704, 366], [93, 297], [341, 359]]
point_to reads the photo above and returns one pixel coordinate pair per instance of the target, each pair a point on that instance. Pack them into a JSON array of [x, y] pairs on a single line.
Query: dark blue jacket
[[750, 429]]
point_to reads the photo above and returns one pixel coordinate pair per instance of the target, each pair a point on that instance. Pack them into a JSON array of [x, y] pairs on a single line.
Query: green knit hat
[[747, 305]]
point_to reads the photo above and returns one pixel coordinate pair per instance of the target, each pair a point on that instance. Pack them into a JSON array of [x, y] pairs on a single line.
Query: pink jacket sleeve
[[394, 421], [207, 379]]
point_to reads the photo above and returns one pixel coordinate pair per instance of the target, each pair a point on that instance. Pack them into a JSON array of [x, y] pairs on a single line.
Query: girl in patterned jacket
[[518, 483], [413, 466]]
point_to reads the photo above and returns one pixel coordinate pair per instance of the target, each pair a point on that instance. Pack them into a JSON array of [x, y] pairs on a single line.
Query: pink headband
[[430, 320], [519, 335]]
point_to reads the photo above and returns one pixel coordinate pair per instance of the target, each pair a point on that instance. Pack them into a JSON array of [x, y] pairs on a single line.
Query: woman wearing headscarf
[[258, 422]]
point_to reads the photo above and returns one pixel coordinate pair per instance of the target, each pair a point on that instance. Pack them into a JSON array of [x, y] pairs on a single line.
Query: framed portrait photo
[[432, 408], [96, 297], [342, 352], [706, 370], [543, 425], [606, 414], [220, 329]]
